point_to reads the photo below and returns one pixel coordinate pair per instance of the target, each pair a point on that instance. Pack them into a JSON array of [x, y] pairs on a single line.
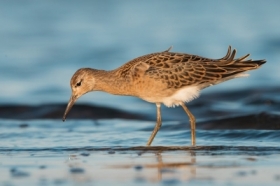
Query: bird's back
[[178, 70]]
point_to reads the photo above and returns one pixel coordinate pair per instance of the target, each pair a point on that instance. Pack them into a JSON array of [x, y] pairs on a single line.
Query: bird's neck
[[109, 81]]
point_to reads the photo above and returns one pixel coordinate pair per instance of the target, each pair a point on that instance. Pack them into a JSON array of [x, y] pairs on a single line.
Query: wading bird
[[165, 77]]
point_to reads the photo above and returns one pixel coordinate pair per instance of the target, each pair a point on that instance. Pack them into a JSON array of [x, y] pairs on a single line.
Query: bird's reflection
[[168, 166], [171, 167]]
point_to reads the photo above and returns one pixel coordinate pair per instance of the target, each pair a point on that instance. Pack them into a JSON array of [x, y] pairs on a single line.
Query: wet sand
[[149, 166]]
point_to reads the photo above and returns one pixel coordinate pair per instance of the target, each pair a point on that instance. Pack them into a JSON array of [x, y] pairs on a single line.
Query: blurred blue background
[[42, 43]]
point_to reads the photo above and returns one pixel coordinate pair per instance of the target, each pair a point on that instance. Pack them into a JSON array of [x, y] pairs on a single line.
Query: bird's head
[[81, 83]]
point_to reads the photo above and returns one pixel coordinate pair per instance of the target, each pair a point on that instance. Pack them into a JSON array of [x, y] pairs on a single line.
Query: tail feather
[[257, 62], [243, 57], [228, 67], [229, 61], [231, 58], [227, 55]]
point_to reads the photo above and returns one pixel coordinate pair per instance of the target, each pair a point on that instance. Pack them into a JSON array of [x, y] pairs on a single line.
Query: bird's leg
[[157, 126], [192, 122]]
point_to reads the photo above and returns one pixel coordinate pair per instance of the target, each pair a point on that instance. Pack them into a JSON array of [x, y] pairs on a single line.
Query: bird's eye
[[79, 84]]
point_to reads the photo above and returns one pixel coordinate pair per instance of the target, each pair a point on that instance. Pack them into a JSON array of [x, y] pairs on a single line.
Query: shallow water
[[53, 134], [102, 141], [112, 151]]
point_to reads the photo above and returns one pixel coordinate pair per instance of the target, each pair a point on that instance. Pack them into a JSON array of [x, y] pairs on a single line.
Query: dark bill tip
[[69, 106]]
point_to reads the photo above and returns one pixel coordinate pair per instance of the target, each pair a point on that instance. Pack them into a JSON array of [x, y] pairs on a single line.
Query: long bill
[[69, 106]]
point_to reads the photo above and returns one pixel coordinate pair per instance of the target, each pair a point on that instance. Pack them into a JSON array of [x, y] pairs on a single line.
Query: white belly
[[187, 94], [184, 94]]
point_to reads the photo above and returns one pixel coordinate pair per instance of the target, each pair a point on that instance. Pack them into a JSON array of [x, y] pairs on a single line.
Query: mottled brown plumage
[[164, 77], [177, 70]]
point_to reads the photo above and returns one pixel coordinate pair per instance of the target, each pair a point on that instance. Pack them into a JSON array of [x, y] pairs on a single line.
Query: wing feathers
[[178, 69]]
